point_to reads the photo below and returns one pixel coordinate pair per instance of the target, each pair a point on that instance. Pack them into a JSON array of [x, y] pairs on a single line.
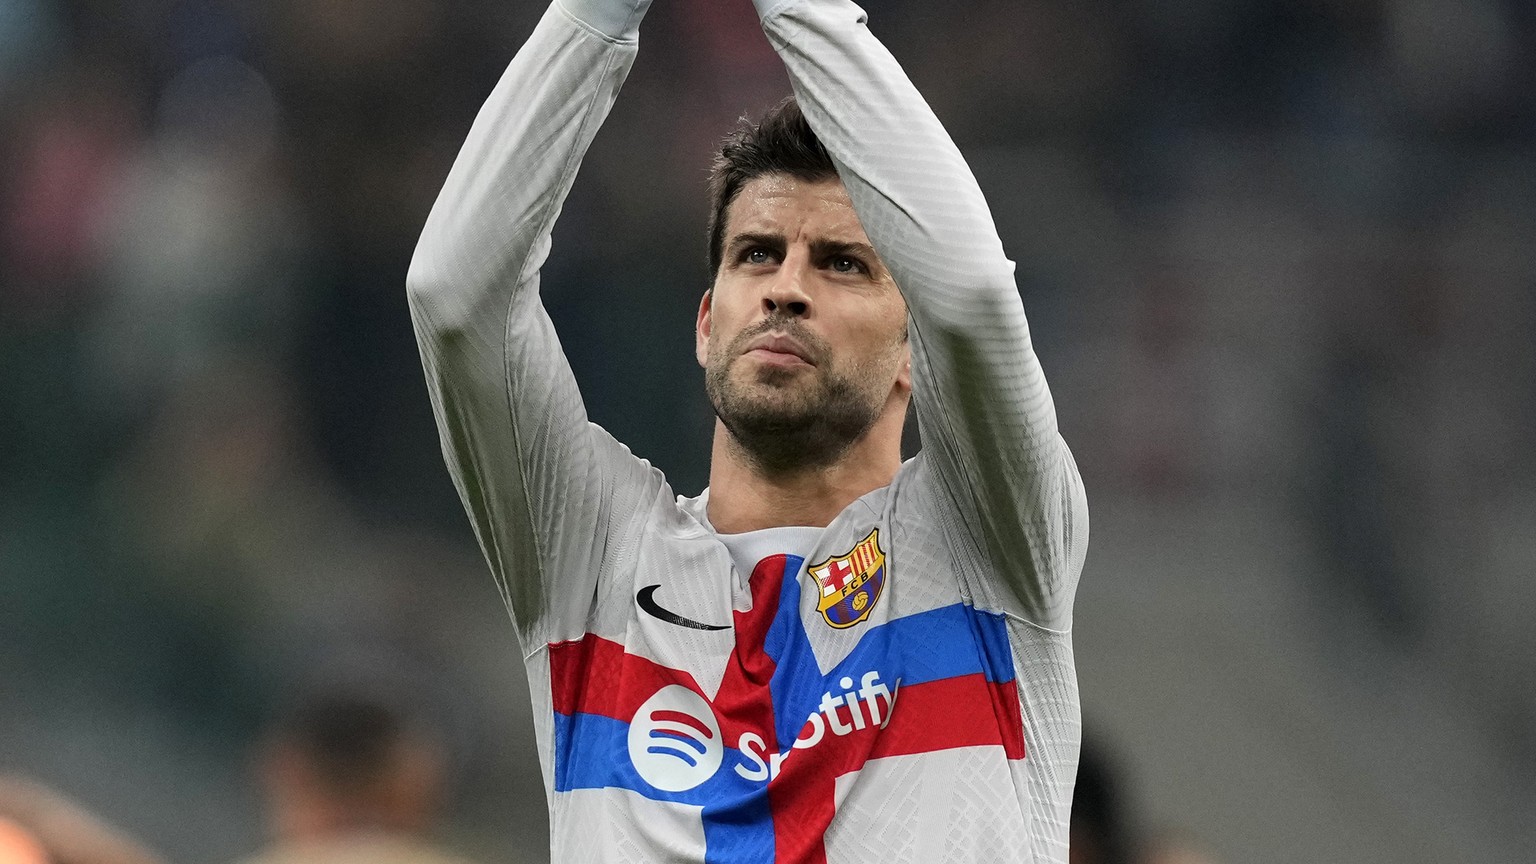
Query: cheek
[[886, 314], [723, 326], [875, 353], [724, 342], [727, 317], [891, 330]]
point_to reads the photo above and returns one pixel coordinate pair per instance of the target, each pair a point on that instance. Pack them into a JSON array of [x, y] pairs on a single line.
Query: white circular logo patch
[[674, 740]]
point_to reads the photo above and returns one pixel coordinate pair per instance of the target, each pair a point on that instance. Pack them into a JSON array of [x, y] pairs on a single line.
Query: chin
[[777, 403], [784, 393]]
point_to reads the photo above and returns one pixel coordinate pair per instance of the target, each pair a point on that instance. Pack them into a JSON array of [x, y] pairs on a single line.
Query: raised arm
[[545, 489], [991, 452]]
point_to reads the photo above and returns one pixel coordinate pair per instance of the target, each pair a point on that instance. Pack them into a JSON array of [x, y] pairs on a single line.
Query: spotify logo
[[674, 740]]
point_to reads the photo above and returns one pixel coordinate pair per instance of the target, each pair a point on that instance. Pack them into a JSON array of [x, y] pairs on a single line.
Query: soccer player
[[831, 654]]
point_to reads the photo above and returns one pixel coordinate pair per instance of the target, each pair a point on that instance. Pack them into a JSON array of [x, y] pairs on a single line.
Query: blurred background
[[1280, 263]]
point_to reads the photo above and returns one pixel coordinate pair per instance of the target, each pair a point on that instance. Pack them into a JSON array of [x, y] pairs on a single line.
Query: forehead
[[781, 204]]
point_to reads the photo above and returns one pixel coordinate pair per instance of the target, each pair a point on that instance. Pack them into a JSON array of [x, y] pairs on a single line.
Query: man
[[830, 655]]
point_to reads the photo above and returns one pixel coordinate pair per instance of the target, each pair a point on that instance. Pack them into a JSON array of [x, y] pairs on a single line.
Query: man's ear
[[701, 328]]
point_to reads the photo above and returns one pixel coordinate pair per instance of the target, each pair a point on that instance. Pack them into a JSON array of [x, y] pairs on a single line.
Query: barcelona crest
[[851, 583]]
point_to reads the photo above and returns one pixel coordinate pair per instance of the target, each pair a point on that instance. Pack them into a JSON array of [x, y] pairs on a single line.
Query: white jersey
[[895, 687]]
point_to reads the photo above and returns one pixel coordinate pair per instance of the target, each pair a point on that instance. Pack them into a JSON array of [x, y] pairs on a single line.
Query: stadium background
[[1278, 258]]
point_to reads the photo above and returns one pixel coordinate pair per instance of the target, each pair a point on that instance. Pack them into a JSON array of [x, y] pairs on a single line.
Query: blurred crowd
[[1276, 254]]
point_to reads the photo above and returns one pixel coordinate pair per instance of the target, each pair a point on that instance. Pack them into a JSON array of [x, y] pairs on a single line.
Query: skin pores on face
[[803, 337]]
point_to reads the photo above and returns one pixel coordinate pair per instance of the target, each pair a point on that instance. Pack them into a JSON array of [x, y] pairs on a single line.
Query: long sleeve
[[991, 451], [549, 494]]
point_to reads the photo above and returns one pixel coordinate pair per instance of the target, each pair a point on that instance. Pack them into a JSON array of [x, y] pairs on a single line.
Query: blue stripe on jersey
[[797, 682], [601, 760], [930, 646], [740, 828], [992, 639]]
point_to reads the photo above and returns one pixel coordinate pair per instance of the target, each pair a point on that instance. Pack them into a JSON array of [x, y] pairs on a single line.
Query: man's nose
[[785, 293]]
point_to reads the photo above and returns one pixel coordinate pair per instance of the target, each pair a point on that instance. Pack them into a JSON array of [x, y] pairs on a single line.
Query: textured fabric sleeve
[[550, 495], [1008, 489]]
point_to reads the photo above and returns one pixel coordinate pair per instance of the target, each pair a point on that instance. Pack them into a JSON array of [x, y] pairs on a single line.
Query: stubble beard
[[791, 419]]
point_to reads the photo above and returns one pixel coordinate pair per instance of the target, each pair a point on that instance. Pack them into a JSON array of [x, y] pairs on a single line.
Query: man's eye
[[844, 264], [757, 256]]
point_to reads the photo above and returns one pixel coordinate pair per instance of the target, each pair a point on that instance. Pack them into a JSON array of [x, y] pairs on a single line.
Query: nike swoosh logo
[[646, 597]]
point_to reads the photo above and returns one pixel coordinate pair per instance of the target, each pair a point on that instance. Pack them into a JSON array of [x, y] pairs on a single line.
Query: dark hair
[[780, 142], [350, 739]]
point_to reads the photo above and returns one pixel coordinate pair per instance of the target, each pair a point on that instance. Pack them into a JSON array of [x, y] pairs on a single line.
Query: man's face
[[803, 337]]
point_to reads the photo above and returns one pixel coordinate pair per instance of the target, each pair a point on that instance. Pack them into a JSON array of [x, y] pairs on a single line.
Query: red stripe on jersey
[[1005, 705], [966, 711], [744, 701], [596, 676], [942, 715]]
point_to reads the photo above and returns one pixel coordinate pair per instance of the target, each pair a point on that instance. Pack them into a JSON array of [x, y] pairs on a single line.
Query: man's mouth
[[779, 349]]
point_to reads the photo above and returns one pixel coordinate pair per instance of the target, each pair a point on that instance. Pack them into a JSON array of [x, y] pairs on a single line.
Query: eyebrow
[[820, 249], [831, 248], [775, 242]]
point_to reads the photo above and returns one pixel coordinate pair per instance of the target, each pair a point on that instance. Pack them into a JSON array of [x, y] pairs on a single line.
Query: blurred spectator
[[201, 237], [41, 826], [351, 777]]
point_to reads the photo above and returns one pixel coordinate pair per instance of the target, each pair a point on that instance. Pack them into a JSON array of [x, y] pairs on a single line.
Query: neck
[[744, 497]]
